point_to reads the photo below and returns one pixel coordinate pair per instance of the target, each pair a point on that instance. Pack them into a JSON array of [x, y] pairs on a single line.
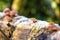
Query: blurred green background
[[40, 9]]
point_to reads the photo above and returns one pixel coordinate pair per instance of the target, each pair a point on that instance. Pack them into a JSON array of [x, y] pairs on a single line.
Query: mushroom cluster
[[18, 27]]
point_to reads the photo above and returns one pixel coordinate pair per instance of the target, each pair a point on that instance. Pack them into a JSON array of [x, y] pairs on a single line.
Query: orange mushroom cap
[[51, 26], [6, 10], [7, 18], [33, 20], [12, 13]]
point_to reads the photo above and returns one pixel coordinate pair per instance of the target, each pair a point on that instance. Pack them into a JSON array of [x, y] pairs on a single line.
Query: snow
[[1, 14]]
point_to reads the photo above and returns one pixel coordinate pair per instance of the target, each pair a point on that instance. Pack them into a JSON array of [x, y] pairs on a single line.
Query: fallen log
[[4, 35]]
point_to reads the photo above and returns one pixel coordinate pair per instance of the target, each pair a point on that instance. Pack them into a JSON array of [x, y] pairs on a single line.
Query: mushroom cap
[[7, 18], [6, 10], [12, 13], [33, 20]]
